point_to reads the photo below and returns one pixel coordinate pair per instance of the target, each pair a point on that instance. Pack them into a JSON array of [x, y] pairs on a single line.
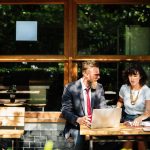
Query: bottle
[[12, 93], [48, 145]]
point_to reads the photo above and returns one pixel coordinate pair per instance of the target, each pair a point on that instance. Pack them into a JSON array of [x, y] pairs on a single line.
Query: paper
[[146, 123], [146, 129]]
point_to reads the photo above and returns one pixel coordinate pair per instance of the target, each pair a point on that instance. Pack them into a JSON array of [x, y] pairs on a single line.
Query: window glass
[[113, 29], [111, 78], [35, 83], [108, 78], [146, 67], [50, 29]]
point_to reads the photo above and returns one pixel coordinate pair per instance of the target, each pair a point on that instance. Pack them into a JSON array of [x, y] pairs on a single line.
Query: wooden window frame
[[70, 56]]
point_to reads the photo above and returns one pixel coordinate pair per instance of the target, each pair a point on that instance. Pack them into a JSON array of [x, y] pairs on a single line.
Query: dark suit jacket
[[73, 103]]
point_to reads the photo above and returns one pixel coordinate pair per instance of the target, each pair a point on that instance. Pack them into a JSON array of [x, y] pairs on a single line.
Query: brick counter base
[[37, 134], [41, 127]]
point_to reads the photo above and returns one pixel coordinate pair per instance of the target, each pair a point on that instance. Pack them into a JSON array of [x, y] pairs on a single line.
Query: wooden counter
[[122, 131], [56, 117]]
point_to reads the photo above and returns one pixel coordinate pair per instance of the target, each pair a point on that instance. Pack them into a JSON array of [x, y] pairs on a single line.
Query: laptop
[[106, 118]]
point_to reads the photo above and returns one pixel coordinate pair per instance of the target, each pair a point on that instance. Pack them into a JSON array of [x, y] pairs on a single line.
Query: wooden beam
[[32, 58], [112, 1], [32, 1], [113, 58]]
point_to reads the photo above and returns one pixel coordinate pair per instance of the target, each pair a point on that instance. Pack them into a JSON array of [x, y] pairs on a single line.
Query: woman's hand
[[137, 121]]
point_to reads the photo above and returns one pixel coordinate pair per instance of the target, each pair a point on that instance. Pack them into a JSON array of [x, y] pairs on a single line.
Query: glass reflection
[[35, 83], [105, 29], [50, 34]]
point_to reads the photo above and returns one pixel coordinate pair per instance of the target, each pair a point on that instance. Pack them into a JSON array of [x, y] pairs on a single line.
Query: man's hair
[[89, 64]]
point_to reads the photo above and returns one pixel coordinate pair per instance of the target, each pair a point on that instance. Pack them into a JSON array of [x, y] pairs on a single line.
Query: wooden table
[[37, 105], [7, 101], [20, 101], [20, 92], [122, 131], [12, 123]]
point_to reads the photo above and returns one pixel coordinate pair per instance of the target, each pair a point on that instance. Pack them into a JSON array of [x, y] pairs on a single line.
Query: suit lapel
[[82, 102], [79, 87], [92, 98]]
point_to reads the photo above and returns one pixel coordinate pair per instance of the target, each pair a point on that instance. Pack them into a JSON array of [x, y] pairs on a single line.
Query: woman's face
[[134, 79]]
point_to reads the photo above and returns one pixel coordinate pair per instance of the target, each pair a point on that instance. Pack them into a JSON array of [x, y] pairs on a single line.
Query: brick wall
[[37, 134]]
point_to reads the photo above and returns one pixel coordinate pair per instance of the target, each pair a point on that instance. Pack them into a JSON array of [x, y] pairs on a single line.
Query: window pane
[[108, 78], [50, 29], [111, 78], [37, 83], [113, 29]]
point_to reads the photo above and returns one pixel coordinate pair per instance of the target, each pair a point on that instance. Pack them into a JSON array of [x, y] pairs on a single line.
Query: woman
[[134, 95]]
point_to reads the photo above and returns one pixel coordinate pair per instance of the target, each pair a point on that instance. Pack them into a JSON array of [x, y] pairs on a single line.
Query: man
[[74, 101]]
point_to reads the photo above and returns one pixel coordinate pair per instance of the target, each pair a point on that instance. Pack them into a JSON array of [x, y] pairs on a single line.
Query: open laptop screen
[[107, 117]]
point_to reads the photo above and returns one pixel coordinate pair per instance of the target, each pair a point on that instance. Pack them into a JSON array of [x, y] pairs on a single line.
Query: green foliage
[[50, 20], [102, 26]]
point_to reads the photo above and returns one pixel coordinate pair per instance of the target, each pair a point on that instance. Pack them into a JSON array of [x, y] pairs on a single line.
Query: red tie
[[88, 104]]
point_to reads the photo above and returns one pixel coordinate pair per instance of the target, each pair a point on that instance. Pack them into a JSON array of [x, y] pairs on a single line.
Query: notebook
[[106, 117]]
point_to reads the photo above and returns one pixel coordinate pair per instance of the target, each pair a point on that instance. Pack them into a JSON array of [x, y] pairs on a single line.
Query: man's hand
[[85, 120]]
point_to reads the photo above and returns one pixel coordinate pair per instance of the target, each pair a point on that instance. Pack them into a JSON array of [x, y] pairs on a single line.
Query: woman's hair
[[133, 69]]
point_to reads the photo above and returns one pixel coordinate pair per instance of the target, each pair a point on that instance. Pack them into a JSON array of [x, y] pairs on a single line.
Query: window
[[111, 77], [69, 32], [113, 29], [36, 83], [50, 29]]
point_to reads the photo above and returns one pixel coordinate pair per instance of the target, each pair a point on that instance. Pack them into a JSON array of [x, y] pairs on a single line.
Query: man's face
[[93, 74]]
